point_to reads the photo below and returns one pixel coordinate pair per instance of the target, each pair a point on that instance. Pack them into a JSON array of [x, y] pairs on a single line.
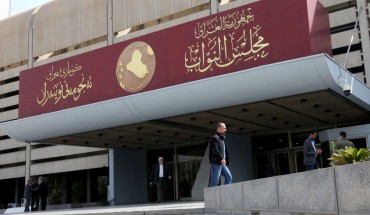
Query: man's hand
[[223, 162], [169, 177]]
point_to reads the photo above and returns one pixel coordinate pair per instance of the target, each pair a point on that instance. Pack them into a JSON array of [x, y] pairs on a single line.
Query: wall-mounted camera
[[347, 89]]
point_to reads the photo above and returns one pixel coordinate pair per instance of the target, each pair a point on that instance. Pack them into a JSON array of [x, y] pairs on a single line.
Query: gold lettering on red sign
[[57, 85], [237, 40]]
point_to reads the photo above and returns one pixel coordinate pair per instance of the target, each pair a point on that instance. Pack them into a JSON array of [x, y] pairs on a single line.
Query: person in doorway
[[161, 173], [27, 195], [43, 189], [35, 196], [218, 157], [310, 152], [342, 142]]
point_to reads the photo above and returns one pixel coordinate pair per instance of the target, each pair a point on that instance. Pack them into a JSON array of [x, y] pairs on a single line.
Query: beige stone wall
[[61, 29]]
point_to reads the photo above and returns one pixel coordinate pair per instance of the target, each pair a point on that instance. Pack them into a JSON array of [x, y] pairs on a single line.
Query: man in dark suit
[[35, 196], [43, 193], [310, 152], [161, 172], [27, 195]]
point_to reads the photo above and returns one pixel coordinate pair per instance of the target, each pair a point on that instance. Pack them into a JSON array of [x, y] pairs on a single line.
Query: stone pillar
[[88, 186], [128, 178], [110, 21], [16, 190], [241, 157], [28, 162], [111, 186], [365, 39], [214, 6]]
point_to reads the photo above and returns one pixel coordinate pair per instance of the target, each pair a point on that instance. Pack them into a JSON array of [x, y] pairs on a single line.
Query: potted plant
[[349, 155]]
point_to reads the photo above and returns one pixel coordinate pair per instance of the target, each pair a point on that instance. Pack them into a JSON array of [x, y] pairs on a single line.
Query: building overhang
[[289, 78]]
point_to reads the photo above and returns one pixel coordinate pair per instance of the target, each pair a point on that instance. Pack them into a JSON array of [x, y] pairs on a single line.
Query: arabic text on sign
[[57, 87], [242, 44]]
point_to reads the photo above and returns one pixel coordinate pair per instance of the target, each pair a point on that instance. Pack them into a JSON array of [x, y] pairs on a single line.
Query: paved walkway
[[173, 208]]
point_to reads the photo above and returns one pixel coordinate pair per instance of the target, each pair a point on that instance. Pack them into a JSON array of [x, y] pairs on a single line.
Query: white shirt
[[161, 170], [313, 145]]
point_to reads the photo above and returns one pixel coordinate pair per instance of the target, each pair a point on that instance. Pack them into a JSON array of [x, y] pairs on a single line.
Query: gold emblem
[[135, 66]]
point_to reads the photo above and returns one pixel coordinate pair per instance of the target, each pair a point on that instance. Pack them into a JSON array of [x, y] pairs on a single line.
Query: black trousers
[[35, 202], [161, 189], [28, 201], [43, 202]]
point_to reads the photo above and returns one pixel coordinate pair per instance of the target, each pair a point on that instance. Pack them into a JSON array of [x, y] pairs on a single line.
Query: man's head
[[160, 160], [221, 128], [313, 134], [343, 134], [29, 181]]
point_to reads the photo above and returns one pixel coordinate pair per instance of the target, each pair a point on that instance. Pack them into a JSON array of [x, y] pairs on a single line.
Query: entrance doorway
[[188, 167], [281, 154], [273, 163], [185, 163]]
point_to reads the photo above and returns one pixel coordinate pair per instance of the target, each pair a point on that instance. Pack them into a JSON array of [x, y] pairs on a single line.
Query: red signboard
[[253, 35]]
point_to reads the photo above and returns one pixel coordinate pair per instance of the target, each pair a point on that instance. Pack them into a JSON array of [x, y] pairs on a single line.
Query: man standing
[[218, 156], [27, 195], [161, 172], [43, 193], [310, 152], [35, 196], [342, 142]]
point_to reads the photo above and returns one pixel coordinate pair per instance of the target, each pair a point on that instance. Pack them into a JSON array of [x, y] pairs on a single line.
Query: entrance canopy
[[303, 93]]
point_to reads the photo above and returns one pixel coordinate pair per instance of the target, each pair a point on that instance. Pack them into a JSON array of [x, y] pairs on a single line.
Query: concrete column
[[128, 178], [30, 38], [241, 157], [110, 22], [111, 177], [88, 186], [292, 163], [365, 39], [214, 6], [176, 174], [28, 162], [16, 197]]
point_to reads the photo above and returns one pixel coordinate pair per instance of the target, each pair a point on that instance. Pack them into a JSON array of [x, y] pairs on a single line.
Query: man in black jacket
[[218, 156], [27, 195], [35, 196], [161, 172], [43, 193]]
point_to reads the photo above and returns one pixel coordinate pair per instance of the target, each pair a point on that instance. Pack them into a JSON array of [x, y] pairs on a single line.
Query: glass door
[[273, 163], [187, 170], [282, 163]]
